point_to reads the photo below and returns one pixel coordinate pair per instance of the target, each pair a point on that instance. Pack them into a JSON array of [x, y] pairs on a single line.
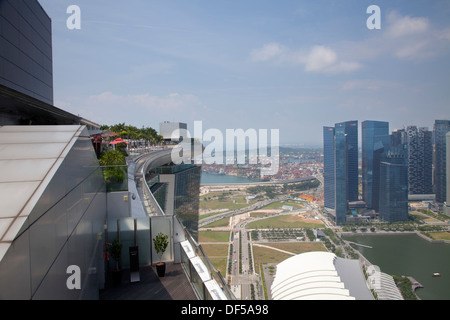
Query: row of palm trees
[[133, 133]]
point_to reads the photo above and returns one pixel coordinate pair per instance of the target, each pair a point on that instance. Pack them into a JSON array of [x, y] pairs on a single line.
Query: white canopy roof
[[311, 275]]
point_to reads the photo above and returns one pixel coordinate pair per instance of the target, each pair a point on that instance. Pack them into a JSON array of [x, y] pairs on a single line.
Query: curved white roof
[[385, 286], [311, 275]]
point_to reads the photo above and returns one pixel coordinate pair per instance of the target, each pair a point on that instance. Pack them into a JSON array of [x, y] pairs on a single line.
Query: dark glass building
[[420, 160], [441, 127], [341, 175], [351, 157], [26, 49], [375, 146], [394, 189], [399, 141], [328, 167], [341, 167]]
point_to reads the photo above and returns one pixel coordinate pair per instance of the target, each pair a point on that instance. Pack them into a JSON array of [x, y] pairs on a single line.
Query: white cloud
[[320, 58], [444, 34], [405, 26], [316, 59], [173, 102], [369, 85], [114, 108], [412, 50], [401, 37], [267, 52]]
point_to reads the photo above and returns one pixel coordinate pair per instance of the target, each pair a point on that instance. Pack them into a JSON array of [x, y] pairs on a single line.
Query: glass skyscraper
[[420, 160], [351, 132], [375, 146], [341, 175], [344, 155], [441, 127], [394, 189], [328, 168]]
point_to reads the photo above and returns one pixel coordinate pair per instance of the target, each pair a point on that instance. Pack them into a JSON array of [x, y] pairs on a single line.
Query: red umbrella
[[106, 134], [118, 140]]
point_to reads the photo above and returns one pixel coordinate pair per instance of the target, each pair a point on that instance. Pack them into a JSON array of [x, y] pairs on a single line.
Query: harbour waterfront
[[410, 255], [212, 179]]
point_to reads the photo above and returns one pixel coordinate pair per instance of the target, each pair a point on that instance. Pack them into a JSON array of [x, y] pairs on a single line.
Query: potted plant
[[115, 249], [161, 242]]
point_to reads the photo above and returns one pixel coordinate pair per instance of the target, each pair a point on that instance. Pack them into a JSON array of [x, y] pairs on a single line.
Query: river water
[[410, 255]]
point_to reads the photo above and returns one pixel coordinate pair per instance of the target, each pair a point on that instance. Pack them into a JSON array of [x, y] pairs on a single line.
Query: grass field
[[263, 255], [213, 236], [439, 235], [234, 203], [220, 223], [285, 221], [280, 204], [218, 254], [426, 218]]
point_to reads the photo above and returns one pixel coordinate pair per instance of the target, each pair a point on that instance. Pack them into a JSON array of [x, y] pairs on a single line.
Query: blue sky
[[290, 65]]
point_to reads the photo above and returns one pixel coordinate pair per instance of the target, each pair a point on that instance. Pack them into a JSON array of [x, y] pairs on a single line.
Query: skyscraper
[[341, 167], [329, 168], [351, 154], [26, 55], [441, 127], [375, 146], [394, 189], [341, 174], [399, 142], [420, 160]]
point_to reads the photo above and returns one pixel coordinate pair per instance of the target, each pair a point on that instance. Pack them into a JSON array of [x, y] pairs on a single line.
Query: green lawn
[[439, 235], [285, 221], [213, 236], [228, 203], [218, 255], [280, 204], [219, 223], [266, 255]]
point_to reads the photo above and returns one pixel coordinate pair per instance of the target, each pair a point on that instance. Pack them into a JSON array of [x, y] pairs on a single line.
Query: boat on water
[[436, 274]]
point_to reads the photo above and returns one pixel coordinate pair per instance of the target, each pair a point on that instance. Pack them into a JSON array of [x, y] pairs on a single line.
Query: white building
[[167, 128], [322, 276]]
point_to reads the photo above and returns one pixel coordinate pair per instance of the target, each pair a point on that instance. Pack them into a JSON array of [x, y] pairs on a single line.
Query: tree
[[115, 248], [161, 242], [112, 160]]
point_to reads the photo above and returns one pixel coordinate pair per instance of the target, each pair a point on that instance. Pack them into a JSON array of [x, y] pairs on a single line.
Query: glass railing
[[206, 280], [116, 178]]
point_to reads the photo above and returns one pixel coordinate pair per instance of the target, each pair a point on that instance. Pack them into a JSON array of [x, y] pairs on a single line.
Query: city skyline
[[266, 65]]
